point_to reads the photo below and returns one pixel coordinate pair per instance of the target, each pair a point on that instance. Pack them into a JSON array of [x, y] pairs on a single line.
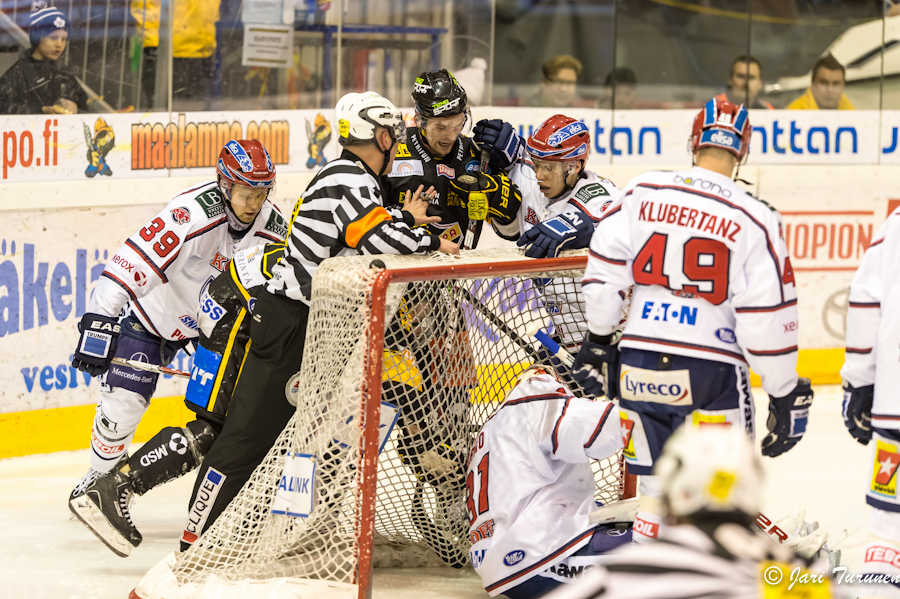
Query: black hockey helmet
[[437, 94]]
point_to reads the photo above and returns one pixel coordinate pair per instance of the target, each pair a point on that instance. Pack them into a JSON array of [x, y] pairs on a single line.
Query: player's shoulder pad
[[763, 202], [651, 177], [275, 223], [403, 151], [196, 206], [590, 191]]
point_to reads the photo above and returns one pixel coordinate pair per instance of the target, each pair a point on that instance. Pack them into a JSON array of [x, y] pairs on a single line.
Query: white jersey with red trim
[[710, 269], [161, 270], [873, 324], [590, 196], [530, 488]]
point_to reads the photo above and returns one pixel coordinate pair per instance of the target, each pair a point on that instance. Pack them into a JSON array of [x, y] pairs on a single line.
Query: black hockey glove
[[503, 197], [858, 411], [787, 421], [97, 345], [596, 366], [501, 139], [567, 231]]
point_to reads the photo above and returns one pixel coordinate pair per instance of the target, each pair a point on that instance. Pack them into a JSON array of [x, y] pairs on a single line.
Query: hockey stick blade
[[137, 365]]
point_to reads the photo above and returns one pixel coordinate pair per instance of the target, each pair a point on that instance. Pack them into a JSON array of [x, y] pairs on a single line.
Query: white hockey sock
[[648, 521], [881, 556], [115, 423]]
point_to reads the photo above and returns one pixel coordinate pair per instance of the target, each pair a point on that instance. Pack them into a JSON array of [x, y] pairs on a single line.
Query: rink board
[[832, 176], [65, 429]]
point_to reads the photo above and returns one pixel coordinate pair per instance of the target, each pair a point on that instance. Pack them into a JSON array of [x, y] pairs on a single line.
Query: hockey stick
[[552, 346], [498, 322], [137, 365], [476, 204]]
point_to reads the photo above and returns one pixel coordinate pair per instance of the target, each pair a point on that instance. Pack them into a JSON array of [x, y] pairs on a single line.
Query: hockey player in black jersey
[[439, 154]]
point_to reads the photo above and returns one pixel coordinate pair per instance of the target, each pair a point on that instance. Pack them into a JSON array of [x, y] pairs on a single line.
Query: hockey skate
[[104, 509], [88, 479]]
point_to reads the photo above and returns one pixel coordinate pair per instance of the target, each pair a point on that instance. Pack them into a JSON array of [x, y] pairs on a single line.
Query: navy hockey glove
[[596, 366], [563, 232], [788, 416], [97, 345], [858, 411], [501, 139]]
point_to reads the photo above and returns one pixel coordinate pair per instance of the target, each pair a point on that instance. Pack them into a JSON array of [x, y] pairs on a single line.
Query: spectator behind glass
[[745, 83], [619, 90], [37, 83], [558, 84], [827, 89], [193, 50]]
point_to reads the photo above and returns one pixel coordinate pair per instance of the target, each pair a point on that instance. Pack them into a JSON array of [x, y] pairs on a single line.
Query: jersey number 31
[[482, 494]]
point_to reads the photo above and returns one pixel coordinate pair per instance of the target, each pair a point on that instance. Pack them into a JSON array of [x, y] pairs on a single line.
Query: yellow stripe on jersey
[[227, 354], [243, 361], [276, 252], [294, 216], [237, 281]]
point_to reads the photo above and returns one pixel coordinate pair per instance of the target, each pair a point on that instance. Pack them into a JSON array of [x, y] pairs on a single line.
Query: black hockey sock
[[172, 453]]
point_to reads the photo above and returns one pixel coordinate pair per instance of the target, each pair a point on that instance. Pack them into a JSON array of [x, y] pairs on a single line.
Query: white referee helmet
[[357, 116], [712, 468]]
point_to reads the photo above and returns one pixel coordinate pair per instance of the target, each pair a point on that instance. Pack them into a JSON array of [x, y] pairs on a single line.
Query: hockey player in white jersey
[[714, 293], [561, 204], [711, 483], [871, 398], [145, 305], [561, 199], [530, 489]]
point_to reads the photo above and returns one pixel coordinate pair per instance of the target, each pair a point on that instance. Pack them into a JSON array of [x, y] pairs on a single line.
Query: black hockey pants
[[258, 411]]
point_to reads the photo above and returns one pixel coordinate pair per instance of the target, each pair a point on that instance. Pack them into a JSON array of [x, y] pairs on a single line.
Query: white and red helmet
[[560, 138], [245, 162], [722, 125]]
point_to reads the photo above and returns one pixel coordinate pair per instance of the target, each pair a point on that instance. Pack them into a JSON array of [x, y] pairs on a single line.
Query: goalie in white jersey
[[714, 293], [530, 489], [145, 305], [871, 398]]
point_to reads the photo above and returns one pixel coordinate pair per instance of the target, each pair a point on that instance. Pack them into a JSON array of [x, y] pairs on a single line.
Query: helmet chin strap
[[236, 227], [387, 154], [566, 187]]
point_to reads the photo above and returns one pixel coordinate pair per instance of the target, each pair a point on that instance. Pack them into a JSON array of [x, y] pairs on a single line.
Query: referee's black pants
[[258, 411]]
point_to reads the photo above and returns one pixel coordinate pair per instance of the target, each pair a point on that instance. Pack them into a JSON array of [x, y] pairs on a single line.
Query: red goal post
[[439, 338]]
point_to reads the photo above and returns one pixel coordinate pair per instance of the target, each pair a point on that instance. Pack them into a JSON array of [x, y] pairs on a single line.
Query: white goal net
[[436, 340]]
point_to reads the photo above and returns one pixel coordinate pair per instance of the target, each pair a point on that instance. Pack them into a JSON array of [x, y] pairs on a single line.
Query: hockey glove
[[858, 411], [596, 366], [788, 416], [503, 197], [97, 345], [563, 232], [501, 139]]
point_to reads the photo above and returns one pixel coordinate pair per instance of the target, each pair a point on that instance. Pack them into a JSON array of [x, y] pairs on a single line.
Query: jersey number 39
[[168, 242]]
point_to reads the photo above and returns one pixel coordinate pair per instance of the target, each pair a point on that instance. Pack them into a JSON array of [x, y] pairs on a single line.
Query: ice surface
[[45, 555]]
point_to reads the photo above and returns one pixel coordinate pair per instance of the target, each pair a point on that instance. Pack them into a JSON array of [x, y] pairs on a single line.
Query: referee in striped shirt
[[341, 213]]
